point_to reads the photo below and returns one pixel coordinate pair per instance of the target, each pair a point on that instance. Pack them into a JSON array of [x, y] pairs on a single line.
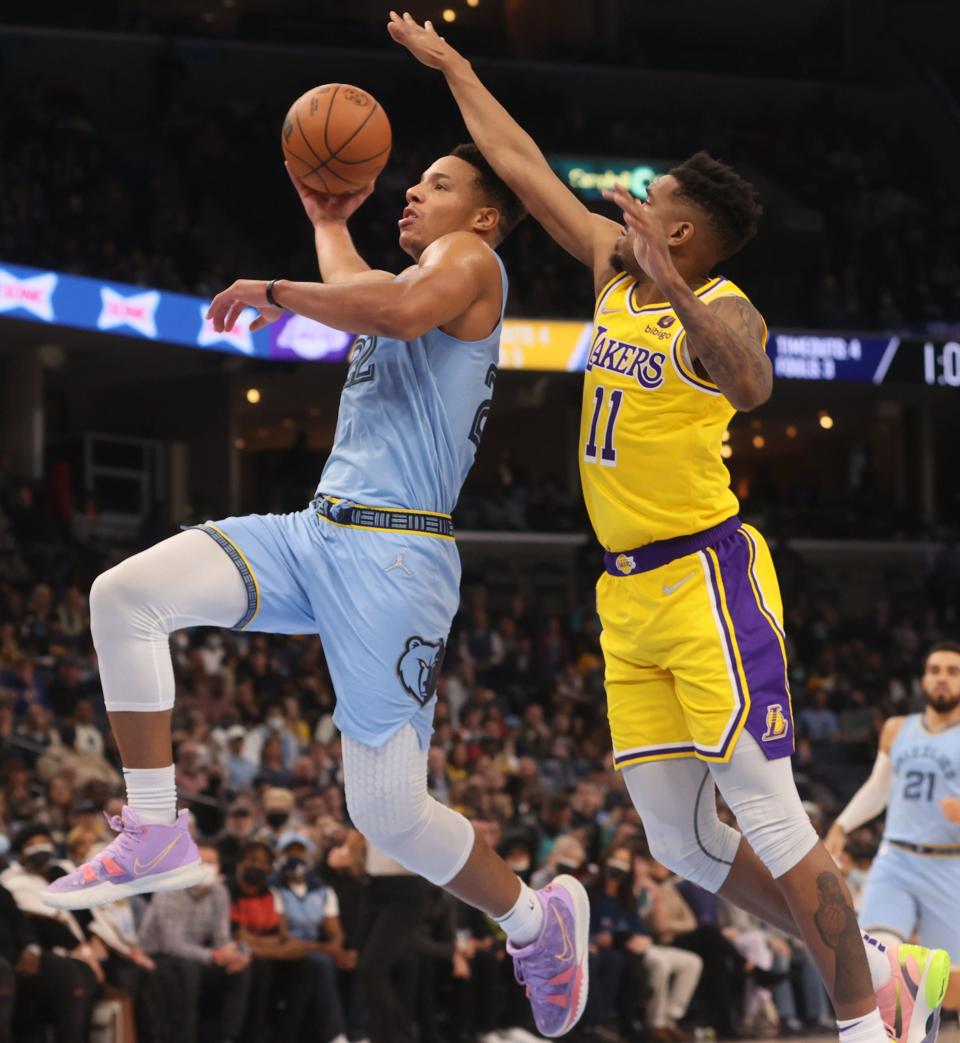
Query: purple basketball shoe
[[555, 967], [142, 857]]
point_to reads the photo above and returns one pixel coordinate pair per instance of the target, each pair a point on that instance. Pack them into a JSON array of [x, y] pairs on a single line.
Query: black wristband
[[270, 297]]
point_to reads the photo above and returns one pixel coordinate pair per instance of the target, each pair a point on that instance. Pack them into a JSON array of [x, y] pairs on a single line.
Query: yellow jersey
[[651, 427]]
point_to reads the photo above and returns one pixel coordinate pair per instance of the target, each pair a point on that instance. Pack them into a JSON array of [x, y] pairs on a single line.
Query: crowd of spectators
[[299, 932], [86, 188]]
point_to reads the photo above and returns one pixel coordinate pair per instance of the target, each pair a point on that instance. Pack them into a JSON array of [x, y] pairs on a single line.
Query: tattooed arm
[[726, 337]]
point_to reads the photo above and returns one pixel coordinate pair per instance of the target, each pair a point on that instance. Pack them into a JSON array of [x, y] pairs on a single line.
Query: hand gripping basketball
[[326, 208]]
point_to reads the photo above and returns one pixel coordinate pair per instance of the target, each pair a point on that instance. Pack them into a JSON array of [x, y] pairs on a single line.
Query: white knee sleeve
[[763, 796], [386, 789], [134, 607], [677, 801]]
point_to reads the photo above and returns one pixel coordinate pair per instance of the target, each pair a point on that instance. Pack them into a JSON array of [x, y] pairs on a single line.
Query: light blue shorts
[[382, 603], [907, 893]]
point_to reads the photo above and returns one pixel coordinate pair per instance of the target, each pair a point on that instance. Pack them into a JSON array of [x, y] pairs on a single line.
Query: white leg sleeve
[[677, 800], [386, 789], [764, 798], [184, 581]]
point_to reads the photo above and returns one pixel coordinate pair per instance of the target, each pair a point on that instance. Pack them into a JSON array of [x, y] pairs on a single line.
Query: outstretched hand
[[647, 236], [229, 305], [325, 207], [421, 41]]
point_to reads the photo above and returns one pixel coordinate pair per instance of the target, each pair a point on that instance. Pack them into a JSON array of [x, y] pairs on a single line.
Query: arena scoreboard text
[[54, 298]]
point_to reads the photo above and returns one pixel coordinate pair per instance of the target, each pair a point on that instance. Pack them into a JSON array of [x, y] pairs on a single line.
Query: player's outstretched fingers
[[233, 313]]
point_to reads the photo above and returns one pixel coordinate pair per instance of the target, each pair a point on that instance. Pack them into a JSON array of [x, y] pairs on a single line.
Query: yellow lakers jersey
[[651, 427]]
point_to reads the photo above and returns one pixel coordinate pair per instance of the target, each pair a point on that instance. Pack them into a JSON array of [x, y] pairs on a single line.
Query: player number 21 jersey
[[651, 428]]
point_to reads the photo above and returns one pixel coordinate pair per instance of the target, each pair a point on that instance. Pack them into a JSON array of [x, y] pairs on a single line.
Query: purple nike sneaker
[[142, 857], [555, 967]]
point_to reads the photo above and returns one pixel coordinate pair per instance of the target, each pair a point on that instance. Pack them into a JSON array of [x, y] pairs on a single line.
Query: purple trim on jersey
[[652, 751], [731, 653], [661, 552], [760, 651]]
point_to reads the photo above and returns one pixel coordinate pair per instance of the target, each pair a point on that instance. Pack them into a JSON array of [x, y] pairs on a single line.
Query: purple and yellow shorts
[[694, 647]]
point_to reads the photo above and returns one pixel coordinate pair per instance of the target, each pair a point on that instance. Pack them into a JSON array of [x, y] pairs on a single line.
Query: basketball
[[336, 138]]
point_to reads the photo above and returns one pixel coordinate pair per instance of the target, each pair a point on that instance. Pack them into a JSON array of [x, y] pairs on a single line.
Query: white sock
[[523, 923], [152, 794], [866, 1029], [880, 969]]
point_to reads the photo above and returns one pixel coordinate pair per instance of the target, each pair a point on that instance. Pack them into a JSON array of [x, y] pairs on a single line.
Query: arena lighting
[[791, 431], [726, 436], [759, 441], [473, 3], [726, 452], [253, 396], [449, 15], [826, 421]]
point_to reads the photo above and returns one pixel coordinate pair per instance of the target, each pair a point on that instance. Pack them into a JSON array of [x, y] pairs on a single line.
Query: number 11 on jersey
[[608, 451]]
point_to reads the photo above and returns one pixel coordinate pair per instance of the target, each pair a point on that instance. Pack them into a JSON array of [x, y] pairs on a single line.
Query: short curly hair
[[729, 200]]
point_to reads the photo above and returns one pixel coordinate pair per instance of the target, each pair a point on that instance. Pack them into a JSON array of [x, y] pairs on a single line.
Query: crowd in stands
[[85, 188], [298, 932]]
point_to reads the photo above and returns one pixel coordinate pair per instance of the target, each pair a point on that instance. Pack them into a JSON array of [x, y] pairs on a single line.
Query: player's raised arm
[[726, 336], [510, 150], [336, 255], [872, 796], [454, 273]]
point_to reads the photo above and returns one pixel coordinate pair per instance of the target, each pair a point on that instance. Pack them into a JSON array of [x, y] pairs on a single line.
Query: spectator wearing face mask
[[187, 933], [312, 913], [618, 941], [237, 831], [57, 972], [516, 853], [278, 813], [280, 965], [566, 856]]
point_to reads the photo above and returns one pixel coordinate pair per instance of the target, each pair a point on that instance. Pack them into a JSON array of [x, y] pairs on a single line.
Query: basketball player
[[696, 671], [371, 565], [914, 880]]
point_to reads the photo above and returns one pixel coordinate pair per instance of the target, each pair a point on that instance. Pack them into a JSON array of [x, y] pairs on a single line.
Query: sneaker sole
[[102, 894], [925, 1020], [581, 914]]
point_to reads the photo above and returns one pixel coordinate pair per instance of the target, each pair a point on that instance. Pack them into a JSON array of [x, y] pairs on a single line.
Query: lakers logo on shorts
[[626, 563], [419, 668], [777, 724]]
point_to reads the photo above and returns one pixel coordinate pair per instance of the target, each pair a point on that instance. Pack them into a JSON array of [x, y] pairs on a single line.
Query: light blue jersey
[[914, 880], [411, 417], [926, 768], [371, 565]]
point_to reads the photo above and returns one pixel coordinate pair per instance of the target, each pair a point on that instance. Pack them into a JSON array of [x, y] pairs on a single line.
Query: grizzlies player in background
[[696, 671], [371, 566], [914, 881]]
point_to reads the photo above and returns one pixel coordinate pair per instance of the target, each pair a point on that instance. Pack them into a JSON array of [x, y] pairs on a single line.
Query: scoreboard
[[800, 355]]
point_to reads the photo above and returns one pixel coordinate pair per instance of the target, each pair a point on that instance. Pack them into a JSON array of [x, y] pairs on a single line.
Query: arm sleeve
[[871, 798]]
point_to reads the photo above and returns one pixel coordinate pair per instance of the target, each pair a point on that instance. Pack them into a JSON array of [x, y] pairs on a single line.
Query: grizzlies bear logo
[[419, 668]]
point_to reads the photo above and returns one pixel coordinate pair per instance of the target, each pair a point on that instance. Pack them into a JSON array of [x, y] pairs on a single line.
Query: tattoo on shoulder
[[742, 317]]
